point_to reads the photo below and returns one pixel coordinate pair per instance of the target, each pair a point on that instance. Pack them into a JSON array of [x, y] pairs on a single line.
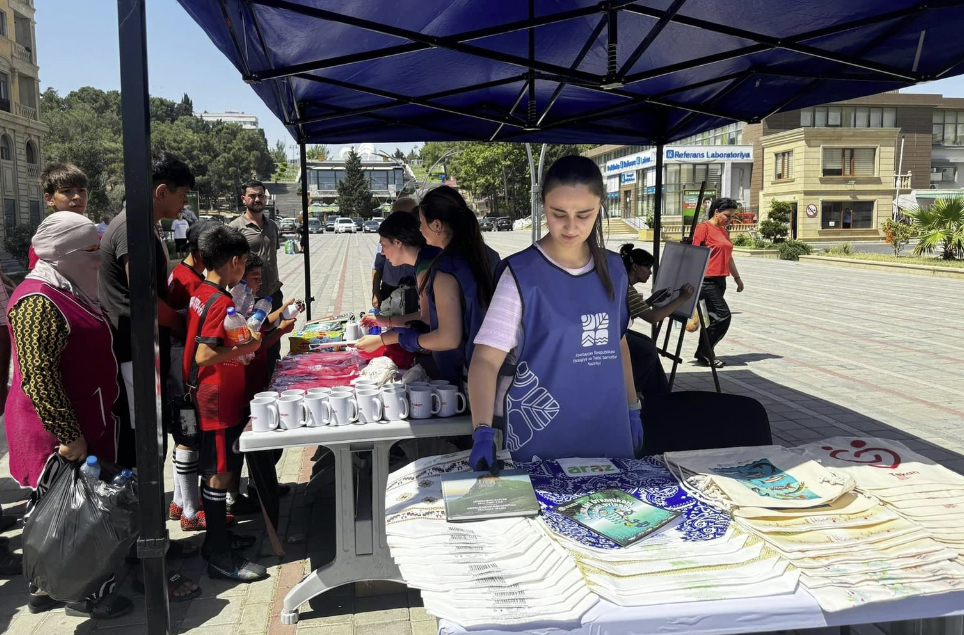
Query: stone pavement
[[827, 350]]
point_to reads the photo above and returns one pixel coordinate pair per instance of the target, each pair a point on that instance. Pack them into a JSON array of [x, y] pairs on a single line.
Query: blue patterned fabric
[[646, 479]]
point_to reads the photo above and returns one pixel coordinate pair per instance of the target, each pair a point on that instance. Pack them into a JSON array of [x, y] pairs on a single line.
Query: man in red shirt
[[215, 377], [184, 280]]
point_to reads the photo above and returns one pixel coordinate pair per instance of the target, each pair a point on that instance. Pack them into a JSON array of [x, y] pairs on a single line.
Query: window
[[848, 117], [848, 161], [5, 148], [783, 165], [948, 128], [10, 212], [847, 215], [3, 24], [31, 153], [35, 212]]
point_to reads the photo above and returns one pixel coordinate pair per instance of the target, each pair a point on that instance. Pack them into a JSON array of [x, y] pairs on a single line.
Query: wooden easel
[[664, 351]]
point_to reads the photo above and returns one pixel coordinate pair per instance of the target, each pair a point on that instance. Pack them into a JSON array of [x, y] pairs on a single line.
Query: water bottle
[[291, 311], [261, 311], [237, 294], [91, 469], [123, 478], [248, 301], [235, 330]]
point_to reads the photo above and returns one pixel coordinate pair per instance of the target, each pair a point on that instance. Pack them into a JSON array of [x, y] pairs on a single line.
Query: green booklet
[[479, 495], [616, 515]]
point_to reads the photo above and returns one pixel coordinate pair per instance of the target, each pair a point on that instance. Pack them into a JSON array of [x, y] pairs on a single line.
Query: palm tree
[[940, 225]]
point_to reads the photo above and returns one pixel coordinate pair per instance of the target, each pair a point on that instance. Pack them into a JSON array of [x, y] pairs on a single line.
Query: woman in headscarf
[[64, 374]]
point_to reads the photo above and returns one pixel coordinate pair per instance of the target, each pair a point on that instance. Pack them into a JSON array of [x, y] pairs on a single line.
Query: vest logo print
[[533, 412], [595, 329]]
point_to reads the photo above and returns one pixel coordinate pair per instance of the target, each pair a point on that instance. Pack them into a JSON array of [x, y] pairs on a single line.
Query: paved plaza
[[827, 351]]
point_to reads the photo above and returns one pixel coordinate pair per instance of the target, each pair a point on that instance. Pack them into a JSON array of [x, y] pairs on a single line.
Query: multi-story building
[[21, 132], [386, 180], [243, 119], [842, 165]]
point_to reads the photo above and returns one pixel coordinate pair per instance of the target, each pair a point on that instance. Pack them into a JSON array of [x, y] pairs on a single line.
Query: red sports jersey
[[181, 285], [220, 388]]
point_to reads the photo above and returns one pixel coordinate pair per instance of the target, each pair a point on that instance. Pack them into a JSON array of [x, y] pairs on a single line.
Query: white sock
[[177, 483], [185, 471]]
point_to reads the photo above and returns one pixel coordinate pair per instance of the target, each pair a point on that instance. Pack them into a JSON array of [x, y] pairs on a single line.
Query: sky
[[81, 50], [78, 47]]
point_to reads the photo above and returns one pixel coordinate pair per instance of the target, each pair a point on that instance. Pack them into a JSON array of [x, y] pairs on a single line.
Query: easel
[[664, 351]]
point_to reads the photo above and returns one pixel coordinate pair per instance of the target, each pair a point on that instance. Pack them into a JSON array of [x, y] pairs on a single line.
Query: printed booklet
[[480, 495], [616, 515]]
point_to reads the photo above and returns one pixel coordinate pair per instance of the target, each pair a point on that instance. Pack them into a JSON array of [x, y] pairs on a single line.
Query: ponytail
[[632, 256]]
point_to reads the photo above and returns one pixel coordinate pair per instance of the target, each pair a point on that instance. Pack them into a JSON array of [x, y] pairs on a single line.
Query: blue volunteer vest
[[567, 395], [452, 364]]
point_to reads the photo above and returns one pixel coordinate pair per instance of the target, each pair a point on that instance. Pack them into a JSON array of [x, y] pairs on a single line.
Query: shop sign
[[628, 178], [712, 154], [690, 198], [632, 162]]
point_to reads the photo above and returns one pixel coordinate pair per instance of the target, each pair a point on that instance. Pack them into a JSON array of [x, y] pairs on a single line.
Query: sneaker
[[233, 566], [174, 512], [107, 608], [199, 522], [42, 603], [243, 506]]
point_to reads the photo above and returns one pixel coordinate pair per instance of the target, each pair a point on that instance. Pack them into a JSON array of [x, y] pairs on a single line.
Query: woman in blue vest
[[551, 366], [455, 282]]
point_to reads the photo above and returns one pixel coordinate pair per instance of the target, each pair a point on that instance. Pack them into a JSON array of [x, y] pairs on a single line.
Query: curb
[[917, 270], [757, 253]]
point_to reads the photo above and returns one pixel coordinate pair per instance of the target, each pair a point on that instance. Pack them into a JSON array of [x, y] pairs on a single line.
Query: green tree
[[412, 155], [399, 154], [354, 197], [776, 226], [316, 153], [940, 226]]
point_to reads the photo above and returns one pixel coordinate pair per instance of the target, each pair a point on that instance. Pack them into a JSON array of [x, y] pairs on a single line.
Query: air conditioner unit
[[933, 186]]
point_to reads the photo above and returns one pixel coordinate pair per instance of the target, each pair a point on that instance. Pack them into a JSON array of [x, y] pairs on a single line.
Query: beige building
[[21, 132]]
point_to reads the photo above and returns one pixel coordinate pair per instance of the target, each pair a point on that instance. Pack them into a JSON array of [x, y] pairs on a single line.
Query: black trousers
[[649, 377], [718, 313]]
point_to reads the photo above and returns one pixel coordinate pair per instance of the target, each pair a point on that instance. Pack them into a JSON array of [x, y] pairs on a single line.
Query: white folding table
[[361, 548]]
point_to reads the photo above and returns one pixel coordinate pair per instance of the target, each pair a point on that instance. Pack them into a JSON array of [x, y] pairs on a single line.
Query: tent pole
[[135, 113], [657, 207], [304, 227], [535, 179]]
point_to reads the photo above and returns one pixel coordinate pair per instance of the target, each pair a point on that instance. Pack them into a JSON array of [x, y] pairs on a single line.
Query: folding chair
[[697, 420]]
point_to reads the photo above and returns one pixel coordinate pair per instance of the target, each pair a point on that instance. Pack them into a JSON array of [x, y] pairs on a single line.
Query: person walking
[[713, 233]]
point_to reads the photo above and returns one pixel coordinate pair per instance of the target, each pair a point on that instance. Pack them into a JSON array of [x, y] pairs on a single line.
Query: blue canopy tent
[[560, 71]]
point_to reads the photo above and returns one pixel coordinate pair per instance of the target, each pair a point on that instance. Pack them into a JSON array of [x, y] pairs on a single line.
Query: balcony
[[25, 111], [902, 181], [22, 53], [33, 171]]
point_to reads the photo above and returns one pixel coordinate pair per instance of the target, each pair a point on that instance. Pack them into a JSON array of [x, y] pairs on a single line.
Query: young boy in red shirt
[[216, 378]]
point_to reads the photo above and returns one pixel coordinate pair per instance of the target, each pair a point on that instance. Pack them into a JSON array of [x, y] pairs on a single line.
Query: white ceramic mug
[[395, 404], [435, 383], [319, 391], [453, 401], [369, 405], [292, 411], [417, 385], [319, 409], [365, 383], [268, 394], [264, 414], [294, 392], [394, 384], [424, 402], [344, 409]]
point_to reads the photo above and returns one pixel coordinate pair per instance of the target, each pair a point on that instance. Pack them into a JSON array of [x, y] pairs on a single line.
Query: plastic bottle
[[261, 311], [91, 469], [248, 301], [122, 478], [291, 311], [235, 330], [237, 294]]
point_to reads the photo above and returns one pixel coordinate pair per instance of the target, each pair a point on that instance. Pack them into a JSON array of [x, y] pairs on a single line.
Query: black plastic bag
[[77, 533]]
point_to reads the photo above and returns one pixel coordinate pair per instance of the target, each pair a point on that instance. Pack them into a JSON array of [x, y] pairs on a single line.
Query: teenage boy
[[216, 378], [186, 277], [65, 190]]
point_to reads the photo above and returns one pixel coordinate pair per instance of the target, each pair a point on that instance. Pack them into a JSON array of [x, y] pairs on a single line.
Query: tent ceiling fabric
[[569, 71]]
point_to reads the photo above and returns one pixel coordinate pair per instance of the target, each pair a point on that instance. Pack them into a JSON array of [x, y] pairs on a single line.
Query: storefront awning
[[938, 193]]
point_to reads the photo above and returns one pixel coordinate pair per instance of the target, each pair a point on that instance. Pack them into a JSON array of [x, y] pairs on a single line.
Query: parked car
[[359, 223], [315, 226], [330, 225], [371, 227], [503, 223], [344, 225], [288, 228], [487, 224]]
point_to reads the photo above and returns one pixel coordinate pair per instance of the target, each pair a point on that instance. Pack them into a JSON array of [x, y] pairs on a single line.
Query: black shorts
[[180, 244], [219, 451]]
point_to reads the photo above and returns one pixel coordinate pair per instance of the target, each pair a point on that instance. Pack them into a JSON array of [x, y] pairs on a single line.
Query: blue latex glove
[[408, 339], [636, 429], [482, 457]]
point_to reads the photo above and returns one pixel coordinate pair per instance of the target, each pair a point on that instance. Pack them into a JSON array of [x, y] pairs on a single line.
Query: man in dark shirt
[[172, 180]]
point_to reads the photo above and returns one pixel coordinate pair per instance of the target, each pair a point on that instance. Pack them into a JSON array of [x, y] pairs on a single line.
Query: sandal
[[174, 582], [107, 608], [717, 363]]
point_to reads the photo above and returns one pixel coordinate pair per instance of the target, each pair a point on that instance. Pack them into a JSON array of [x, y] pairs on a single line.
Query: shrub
[[776, 226], [17, 242], [743, 240], [650, 219], [941, 226], [843, 249], [899, 234], [759, 243], [793, 249]]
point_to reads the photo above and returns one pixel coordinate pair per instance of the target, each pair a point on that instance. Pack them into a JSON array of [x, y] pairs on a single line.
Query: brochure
[[480, 495], [619, 516]]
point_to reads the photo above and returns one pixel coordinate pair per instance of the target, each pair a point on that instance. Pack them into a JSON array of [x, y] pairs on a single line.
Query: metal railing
[[33, 171], [21, 52], [26, 111], [902, 181]]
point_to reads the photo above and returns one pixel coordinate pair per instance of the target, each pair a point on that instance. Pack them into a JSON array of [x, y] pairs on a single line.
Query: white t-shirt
[[180, 227]]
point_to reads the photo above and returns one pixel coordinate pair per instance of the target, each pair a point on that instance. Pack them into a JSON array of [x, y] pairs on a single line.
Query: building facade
[[21, 132], [243, 119], [386, 180]]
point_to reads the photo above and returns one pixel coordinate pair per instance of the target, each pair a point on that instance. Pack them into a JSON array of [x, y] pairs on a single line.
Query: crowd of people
[[540, 341]]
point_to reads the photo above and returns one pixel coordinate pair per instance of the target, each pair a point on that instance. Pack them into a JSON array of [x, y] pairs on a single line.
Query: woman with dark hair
[[559, 318], [648, 375], [454, 281], [712, 233]]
